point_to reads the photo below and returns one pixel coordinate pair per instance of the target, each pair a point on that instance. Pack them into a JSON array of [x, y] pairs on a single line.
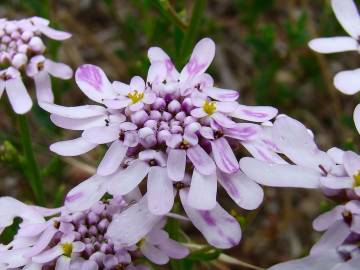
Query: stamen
[[357, 179], [209, 107], [67, 249], [136, 96]]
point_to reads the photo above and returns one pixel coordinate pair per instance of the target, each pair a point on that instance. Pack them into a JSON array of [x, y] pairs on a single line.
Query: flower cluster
[[176, 129], [22, 53], [61, 239]]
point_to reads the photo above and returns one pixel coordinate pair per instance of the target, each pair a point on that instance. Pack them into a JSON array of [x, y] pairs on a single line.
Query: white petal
[[58, 70], [357, 117], [333, 44], [113, 158], [279, 175], [18, 96], [176, 163], [73, 147], [348, 16], [77, 124], [202, 193], [77, 112], [348, 82], [43, 87]]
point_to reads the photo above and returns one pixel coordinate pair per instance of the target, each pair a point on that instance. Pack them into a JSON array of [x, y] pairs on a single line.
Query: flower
[[169, 126], [22, 53], [62, 239], [347, 14], [293, 140]]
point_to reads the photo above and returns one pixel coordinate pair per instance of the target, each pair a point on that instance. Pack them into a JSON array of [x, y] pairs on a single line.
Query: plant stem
[[31, 168], [168, 11]]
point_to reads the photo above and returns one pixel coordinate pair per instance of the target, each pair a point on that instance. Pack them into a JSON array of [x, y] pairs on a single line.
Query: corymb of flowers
[[176, 129], [22, 53]]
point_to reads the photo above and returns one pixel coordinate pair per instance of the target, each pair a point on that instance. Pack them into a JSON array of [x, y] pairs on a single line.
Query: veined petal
[[333, 44], [136, 222], [254, 113], [112, 158], [221, 94], [224, 156], [176, 163], [348, 16], [160, 191], [280, 175], [73, 147], [243, 131], [18, 96], [202, 192], [348, 82], [93, 82], [201, 160], [200, 60], [219, 228], [244, 191]]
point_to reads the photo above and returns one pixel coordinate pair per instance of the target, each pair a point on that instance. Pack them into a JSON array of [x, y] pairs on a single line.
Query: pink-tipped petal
[[244, 191], [220, 229], [201, 160], [224, 156], [93, 82]]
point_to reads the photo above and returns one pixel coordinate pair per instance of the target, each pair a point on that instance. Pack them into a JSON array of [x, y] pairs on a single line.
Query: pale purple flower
[[169, 126], [22, 53], [308, 164], [347, 14], [61, 239]]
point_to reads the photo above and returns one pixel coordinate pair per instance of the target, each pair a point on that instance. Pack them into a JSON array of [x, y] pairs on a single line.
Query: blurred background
[[261, 51]]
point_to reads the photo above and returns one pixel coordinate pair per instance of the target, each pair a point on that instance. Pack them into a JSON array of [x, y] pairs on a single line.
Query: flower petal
[[154, 254], [52, 33], [200, 59], [279, 175], [201, 160], [58, 70], [348, 82], [243, 131], [357, 117], [255, 113], [351, 163], [135, 222], [160, 191], [18, 96], [219, 228], [176, 163], [86, 194], [137, 84], [202, 192], [348, 16], [221, 94], [93, 82], [73, 147], [224, 156], [324, 221], [333, 44], [77, 124], [113, 158], [43, 87], [77, 112], [244, 191], [102, 134]]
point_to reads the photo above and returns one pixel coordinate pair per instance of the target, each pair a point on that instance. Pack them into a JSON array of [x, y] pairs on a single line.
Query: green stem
[[30, 165], [167, 10]]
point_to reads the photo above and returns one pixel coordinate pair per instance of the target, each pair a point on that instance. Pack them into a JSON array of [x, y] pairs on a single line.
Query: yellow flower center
[[136, 96], [209, 107], [67, 249], [357, 179]]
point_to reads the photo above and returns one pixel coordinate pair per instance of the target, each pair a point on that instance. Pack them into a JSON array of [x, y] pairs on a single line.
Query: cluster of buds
[[61, 239], [22, 53]]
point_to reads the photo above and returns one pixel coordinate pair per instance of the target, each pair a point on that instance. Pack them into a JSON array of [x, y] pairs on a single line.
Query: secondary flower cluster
[[61, 239], [22, 53], [336, 172], [176, 129]]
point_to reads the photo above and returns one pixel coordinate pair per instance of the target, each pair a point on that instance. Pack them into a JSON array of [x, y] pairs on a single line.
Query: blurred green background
[[261, 51]]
